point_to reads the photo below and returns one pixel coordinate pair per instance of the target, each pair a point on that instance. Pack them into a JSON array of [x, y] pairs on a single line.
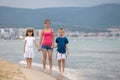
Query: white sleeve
[[25, 38]]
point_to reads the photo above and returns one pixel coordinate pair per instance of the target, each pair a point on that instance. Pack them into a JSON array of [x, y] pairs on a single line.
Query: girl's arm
[[67, 49], [24, 45], [36, 45], [53, 45], [41, 37]]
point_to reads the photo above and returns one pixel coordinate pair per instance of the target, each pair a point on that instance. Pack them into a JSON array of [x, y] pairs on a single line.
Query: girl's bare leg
[[50, 60], [44, 52], [27, 61], [30, 62], [63, 65]]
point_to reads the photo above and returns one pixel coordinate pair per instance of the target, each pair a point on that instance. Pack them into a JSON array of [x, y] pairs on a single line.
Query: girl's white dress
[[29, 52]]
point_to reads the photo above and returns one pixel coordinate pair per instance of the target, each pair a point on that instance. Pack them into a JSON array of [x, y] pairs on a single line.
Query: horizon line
[[64, 6]]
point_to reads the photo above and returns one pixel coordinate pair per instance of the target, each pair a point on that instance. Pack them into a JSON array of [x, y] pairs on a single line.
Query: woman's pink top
[[47, 38]]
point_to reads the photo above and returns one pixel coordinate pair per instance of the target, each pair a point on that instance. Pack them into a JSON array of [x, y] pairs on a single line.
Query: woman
[[47, 44]]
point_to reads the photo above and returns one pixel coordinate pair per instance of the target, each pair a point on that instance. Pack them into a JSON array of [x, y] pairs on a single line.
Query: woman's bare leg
[[44, 52], [50, 60]]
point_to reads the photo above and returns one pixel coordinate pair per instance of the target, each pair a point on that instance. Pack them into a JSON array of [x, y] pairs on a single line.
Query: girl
[[47, 44], [28, 47]]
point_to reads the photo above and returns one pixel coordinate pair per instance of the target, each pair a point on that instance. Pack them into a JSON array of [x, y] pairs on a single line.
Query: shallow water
[[94, 59]]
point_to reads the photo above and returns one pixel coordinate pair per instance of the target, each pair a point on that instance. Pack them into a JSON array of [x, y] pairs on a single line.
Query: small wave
[[71, 74], [74, 40], [100, 39]]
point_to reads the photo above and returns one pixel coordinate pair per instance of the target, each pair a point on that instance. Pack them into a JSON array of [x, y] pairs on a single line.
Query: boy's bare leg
[[59, 65], [44, 52], [63, 65], [50, 60]]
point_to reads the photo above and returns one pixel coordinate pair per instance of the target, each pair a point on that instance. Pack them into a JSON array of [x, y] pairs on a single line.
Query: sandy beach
[[10, 71]]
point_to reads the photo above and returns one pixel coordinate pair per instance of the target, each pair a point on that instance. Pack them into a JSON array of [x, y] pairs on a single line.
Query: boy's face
[[61, 32], [47, 24]]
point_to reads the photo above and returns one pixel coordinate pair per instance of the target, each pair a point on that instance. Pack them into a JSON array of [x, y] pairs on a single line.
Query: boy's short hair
[[47, 20], [61, 29]]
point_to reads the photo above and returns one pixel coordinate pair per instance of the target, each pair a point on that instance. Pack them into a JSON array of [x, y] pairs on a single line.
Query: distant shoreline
[[75, 37]]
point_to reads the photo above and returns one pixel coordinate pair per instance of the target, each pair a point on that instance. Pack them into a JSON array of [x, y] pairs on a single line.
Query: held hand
[[55, 46], [39, 49], [52, 46]]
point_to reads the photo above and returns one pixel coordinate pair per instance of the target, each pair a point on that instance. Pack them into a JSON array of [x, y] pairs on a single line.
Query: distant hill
[[96, 18]]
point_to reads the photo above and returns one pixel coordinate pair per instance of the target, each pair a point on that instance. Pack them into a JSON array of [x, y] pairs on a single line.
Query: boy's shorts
[[61, 56], [47, 48]]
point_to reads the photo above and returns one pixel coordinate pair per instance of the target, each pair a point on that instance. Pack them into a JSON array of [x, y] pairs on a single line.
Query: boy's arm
[[24, 45], [67, 49], [56, 43]]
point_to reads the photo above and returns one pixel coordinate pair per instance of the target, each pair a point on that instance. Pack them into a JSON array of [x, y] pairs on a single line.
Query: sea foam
[[71, 74]]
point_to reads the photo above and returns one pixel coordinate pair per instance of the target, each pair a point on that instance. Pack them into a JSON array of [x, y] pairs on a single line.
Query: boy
[[62, 49]]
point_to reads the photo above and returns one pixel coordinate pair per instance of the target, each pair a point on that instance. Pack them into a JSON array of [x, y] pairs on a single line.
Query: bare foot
[[50, 72], [30, 67], [26, 67], [59, 71], [63, 71], [44, 70]]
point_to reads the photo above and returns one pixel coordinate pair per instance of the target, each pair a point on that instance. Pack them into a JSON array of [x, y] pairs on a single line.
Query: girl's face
[[47, 24], [29, 33]]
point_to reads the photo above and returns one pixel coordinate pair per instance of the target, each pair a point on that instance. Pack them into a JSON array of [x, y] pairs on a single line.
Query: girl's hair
[[29, 30], [47, 20]]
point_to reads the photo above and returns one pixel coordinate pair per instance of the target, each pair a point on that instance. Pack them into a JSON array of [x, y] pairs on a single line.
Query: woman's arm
[[24, 45], [41, 37], [53, 45]]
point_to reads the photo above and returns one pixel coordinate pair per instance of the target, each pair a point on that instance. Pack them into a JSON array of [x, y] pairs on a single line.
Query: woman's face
[[47, 24]]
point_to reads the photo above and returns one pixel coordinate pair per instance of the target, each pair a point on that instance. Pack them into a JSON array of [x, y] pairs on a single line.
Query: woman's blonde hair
[[47, 20]]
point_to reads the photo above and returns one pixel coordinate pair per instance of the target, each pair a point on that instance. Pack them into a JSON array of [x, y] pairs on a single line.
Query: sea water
[[91, 58]]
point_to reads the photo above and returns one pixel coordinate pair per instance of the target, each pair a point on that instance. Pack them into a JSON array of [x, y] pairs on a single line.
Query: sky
[[54, 3]]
